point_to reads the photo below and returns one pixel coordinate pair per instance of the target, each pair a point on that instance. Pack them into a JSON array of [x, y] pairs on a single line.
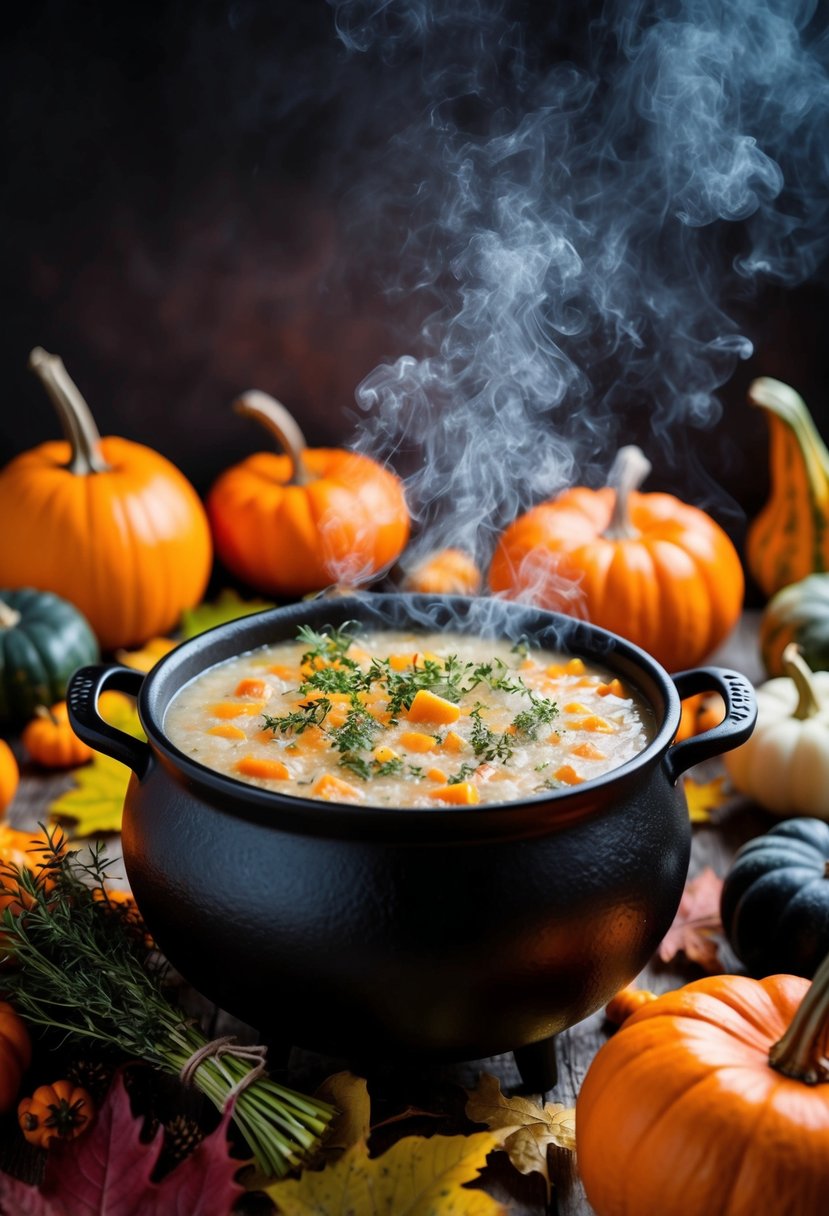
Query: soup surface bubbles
[[393, 718]]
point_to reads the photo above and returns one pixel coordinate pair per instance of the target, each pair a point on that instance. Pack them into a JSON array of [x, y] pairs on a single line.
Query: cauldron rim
[[461, 614]]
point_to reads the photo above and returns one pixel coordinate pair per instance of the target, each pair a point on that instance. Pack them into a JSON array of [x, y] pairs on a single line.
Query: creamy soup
[[408, 719]]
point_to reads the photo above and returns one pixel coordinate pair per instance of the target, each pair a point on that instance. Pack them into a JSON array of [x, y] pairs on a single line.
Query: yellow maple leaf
[[96, 800], [418, 1176], [703, 797], [148, 655], [348, 1094], [522, 1128]]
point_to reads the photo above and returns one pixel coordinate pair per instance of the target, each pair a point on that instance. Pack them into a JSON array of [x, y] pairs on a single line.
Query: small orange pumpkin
[[15, 1054], [9, 775], [62, 1109], [446, 572], [50, 740], [292, 523], [712, 1098], [625, 1003], [23, 850], [108, 524], [647, 566]]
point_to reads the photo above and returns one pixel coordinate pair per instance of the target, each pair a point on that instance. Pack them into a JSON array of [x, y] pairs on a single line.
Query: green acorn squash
[[797, 613], [43, 639], [775, 899]]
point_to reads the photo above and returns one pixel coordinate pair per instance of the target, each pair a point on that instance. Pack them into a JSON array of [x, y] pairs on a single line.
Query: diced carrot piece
[[588, 752], [462, 792], [568, 775], [416, 741], [453, 742], [573, 667], [488, 772], [576, 707], [527, 665], [291, 674], [253, 688], [594, 722], [230, 709], [615, 688], [358, 655], [266, 770], [334, 789], [384, 754], [429, 707], [401, 662], [337, 714], [226, 731], [435, 774]]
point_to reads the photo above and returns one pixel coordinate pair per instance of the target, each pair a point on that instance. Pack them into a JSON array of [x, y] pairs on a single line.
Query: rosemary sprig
[[75, 964], [310, 713]]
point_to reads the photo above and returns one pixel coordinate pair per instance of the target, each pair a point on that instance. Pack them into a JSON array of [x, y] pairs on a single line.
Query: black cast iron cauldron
[[364, 931]]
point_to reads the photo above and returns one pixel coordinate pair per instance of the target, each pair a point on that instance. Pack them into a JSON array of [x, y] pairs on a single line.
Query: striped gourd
[[790, 537]]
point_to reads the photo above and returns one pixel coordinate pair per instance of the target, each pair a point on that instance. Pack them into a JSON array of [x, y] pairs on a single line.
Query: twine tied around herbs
[[226, 1046]]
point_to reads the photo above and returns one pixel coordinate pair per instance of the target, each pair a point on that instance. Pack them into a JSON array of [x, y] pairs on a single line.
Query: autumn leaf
[[703, 797], [418, 1176], [109, 1171], [697, 924], [148, 655], [96, 801], [523, 1128], [227, 607], [348, 1094]]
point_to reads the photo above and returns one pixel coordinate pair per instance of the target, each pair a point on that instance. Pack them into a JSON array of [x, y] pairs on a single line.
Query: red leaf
[[697, 924], [108, 1171]]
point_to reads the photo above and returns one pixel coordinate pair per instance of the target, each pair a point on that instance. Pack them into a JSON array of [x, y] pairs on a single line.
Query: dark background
[[178, 224]]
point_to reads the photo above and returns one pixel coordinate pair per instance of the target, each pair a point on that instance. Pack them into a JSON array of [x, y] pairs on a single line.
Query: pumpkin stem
[[9, 617], [801, 1051], [283, 427], [629, 470], [75, 415], [799, 672]]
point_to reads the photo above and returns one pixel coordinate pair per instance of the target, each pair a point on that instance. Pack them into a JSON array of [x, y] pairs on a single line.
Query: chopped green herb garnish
[[357, 764], [488, 744], [542, 711], [522, 647], [328, 644], [310, 713], [466, 770], [415, 771], [336, 679], [356, 733]]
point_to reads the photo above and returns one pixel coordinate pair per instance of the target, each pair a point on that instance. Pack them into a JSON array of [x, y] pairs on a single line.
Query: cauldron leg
[[537, 1064]]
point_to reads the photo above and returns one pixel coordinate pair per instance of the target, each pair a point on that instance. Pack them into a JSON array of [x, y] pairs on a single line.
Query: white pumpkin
[[784, 766]]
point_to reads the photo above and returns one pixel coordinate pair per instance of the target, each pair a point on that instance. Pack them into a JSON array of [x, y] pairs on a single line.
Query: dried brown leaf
[[523, 1129], [697, 924]]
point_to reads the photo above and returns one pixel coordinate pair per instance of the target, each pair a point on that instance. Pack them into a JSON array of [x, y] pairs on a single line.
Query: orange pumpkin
[[625, 1003], [446, 572], [15, 1055], [9, 775], [712, 1098], [288, 524], [62, 1109], [22, 850], [108, 524], [51, 741], [647, 566]]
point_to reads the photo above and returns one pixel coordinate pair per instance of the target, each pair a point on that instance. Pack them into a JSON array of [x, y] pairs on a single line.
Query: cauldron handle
[[735, 728], [82, 693]]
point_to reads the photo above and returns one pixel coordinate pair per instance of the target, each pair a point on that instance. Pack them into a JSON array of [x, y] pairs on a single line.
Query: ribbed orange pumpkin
[[445, 572], [647, 566], [297, 522], [50, 740], [15, 1054], [108, 524], [712, 1099], [9, 775]]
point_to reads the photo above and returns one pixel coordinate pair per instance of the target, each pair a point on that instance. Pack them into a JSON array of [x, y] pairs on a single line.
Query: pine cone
[[92, 1075], [182, 1136]]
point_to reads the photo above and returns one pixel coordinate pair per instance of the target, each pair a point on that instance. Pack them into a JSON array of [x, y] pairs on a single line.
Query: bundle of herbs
[[75, 961]]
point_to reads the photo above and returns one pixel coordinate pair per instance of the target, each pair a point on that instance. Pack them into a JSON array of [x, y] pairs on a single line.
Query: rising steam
[[577, 229]]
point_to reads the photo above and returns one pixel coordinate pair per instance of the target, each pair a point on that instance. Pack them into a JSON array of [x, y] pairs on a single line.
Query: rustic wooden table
[[441, 1092]]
